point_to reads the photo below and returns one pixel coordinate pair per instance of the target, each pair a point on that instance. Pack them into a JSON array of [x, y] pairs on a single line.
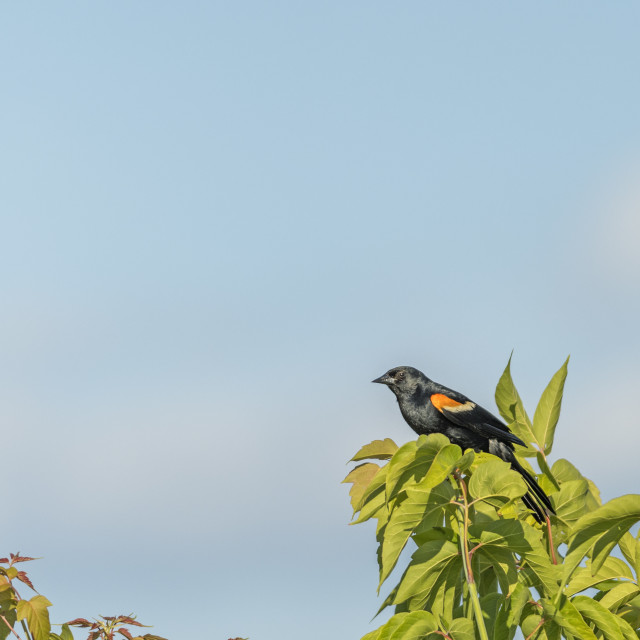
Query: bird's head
[[401, 380]]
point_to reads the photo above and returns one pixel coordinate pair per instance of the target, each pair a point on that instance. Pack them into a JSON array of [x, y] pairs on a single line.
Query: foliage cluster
[[33, 613], [482, 567]]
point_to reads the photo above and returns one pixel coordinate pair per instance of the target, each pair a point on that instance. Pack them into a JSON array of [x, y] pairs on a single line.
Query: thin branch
[[463, 523], [552, 549], [10, 627], [542, 621]]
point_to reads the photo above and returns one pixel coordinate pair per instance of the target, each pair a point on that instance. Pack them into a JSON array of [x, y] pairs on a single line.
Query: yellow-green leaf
[[619, 595], [377, 449], [361, 478], [602, 618], [547, 412], [584, 578], [37, 616], [596, 533], [512, 410]]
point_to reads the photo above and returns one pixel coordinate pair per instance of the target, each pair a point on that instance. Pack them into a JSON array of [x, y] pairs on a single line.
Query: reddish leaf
[[130, 620], [4, 560], [94, 635], [125, 633], [22, 576], [80, 622], [18, 558]]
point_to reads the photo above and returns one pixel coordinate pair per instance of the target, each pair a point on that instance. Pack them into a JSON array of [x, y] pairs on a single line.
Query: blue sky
[[220, 221]]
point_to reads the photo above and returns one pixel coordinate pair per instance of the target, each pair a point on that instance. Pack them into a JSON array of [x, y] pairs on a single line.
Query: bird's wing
[[468, 414]]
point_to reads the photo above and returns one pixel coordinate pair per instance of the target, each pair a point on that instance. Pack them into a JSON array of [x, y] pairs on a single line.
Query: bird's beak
[[383, 379]]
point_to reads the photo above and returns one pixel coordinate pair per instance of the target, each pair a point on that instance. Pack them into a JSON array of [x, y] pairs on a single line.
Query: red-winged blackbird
[[429, 407]]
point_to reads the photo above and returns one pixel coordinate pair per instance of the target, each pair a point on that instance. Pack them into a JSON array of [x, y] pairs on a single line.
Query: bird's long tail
[[536, 499]]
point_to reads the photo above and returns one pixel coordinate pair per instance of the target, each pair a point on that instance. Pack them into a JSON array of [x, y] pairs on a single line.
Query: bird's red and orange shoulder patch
[[442, 403]]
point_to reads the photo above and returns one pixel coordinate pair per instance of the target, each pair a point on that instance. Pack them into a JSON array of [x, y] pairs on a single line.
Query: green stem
[[463, 523], [26, 631]]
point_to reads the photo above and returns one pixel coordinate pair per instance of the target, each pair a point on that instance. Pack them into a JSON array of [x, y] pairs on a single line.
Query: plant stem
[[551, 545], [463, 522], [26, 631], [11, 628], [533, 633]]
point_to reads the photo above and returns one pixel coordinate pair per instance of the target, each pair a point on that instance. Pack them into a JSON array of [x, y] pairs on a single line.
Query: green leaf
[[547, 412], [494, 481], [516, 603], [413, 462], [630, 548], [493, 607], [610, 624], [502, 563], [530, 624], [420, 507], [372, 499], [406, 626], [569, 619], [378, 450], [66, 634], [619, 595], [361, 478], [564, 471], [462, 629], [570, 501], [11, 618], [512, 410], [584, 578], [546, 472], [519, 537], [37, 616], [426, 570], [8, 597], [596, 533]]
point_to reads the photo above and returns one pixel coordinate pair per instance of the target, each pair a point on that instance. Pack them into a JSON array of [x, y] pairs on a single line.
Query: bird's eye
[[399, 375]]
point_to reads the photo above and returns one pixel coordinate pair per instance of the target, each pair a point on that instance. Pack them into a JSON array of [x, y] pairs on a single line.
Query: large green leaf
[[417, 625], [502, 562], [516, 604], [570, 502], [413, 462], [519, 537], [428, 567], [493, 607], [584, 578], [630, 548], [421, 507], [8, 603], [547, 412], [569, 619], [37, 616], [619, 595], [574, 499], [462, 629], [512, 410], [378, 450], [494, 481], [596, 533], [611, 626]]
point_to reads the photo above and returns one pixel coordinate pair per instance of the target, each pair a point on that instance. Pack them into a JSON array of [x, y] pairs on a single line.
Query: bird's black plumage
[[429, 407]]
